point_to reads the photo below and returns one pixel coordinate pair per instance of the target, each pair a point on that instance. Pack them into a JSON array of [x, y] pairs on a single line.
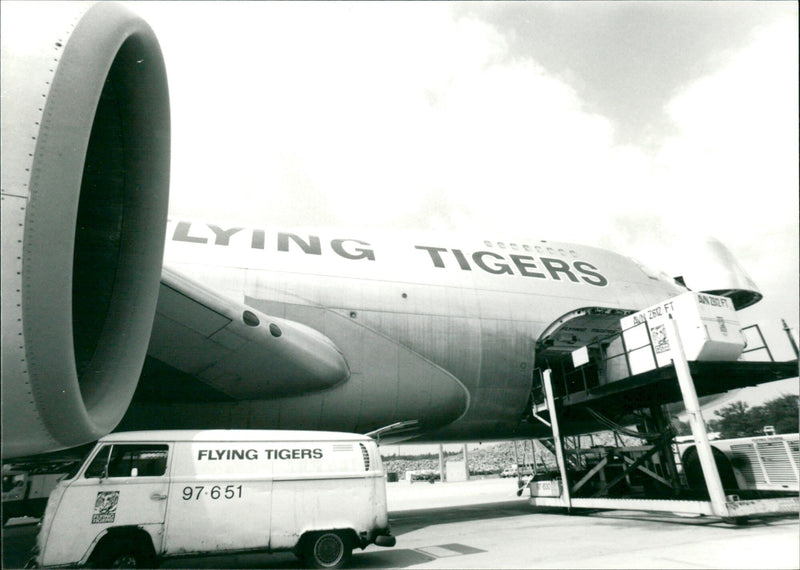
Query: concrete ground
[[502, 531], [483, 524]]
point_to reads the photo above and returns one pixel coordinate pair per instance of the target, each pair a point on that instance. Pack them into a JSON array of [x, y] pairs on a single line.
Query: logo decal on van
[[105, 507]]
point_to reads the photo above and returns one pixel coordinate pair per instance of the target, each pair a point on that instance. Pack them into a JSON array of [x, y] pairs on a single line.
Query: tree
[[680, 427], [734, 421], [739, 420], [781, 413]]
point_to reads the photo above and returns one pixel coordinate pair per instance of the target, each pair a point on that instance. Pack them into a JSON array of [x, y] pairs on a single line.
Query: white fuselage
[[434, 327]]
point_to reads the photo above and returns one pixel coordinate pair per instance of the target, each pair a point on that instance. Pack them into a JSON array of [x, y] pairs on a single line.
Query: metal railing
[[610, 359], [756, 348], [602, 368]]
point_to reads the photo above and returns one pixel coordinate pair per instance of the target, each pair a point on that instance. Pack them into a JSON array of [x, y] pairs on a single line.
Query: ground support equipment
[[728, 507]]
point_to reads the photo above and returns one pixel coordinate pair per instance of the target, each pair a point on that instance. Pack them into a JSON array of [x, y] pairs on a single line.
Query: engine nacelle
[[85, 177]]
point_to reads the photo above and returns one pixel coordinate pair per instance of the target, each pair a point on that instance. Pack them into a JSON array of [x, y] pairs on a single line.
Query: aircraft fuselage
[[435, 327]]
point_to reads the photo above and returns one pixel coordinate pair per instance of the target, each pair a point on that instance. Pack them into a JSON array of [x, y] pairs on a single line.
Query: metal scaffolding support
[[728, 507], [696, 422], [562, 464]]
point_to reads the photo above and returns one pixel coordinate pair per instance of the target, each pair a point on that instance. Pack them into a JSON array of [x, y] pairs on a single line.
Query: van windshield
[[72, 469], [97, 468]]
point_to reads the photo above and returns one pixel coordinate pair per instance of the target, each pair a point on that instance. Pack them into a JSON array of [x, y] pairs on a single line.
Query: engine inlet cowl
[[85, 177]]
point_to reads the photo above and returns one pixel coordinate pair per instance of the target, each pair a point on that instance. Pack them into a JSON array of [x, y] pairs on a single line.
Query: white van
[[144, 496]]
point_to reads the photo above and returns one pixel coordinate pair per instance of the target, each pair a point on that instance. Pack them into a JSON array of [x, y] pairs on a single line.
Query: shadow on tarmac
[[690, 520], [408, 521], [18, 539]]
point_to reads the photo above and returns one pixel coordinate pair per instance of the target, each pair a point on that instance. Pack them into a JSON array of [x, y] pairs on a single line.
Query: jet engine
[[85, 177]]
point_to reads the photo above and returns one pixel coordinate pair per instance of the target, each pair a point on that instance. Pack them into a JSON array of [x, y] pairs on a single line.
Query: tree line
[[738, 419]]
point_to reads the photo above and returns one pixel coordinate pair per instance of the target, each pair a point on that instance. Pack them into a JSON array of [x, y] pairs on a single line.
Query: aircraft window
[[649, 271]]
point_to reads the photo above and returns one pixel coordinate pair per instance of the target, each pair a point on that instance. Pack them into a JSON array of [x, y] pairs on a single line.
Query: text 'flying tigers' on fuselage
[[552, 268]]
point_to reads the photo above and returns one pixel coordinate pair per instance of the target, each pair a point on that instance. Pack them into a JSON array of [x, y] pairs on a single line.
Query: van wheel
[[123, 555], [327, 550]]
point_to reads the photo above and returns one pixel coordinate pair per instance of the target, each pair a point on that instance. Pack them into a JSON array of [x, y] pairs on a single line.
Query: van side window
[[139, 460], [133, 460]]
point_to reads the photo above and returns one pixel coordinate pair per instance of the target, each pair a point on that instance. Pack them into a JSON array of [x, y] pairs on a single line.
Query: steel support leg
[[562, 465], [662, 424], [710, 472]]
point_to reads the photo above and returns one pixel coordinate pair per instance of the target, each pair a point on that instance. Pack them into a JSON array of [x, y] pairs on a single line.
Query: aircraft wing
[[236, 349]]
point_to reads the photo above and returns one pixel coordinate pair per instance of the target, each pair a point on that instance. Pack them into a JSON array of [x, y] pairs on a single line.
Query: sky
[[636, 126]]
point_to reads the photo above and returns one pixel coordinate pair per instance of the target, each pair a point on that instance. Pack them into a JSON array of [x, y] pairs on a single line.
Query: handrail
[[602, 362], [763, 341]]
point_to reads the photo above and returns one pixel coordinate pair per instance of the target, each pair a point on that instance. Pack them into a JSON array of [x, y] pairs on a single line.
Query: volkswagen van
[[141, 497]]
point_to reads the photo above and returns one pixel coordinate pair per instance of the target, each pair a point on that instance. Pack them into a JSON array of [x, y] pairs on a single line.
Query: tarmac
[[483, 524]]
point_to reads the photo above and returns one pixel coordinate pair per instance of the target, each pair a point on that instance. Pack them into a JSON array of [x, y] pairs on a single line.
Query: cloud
[[732, 170], [738, 137], [626, 59]]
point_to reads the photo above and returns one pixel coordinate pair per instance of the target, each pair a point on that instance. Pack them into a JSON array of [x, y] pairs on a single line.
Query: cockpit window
[[651, 273]]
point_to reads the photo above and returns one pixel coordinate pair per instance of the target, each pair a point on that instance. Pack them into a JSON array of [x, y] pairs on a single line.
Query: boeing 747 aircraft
[[104, 328]]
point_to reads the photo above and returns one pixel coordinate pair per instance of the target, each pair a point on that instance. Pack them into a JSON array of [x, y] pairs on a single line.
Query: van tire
[[123, 552], [328, 549]]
